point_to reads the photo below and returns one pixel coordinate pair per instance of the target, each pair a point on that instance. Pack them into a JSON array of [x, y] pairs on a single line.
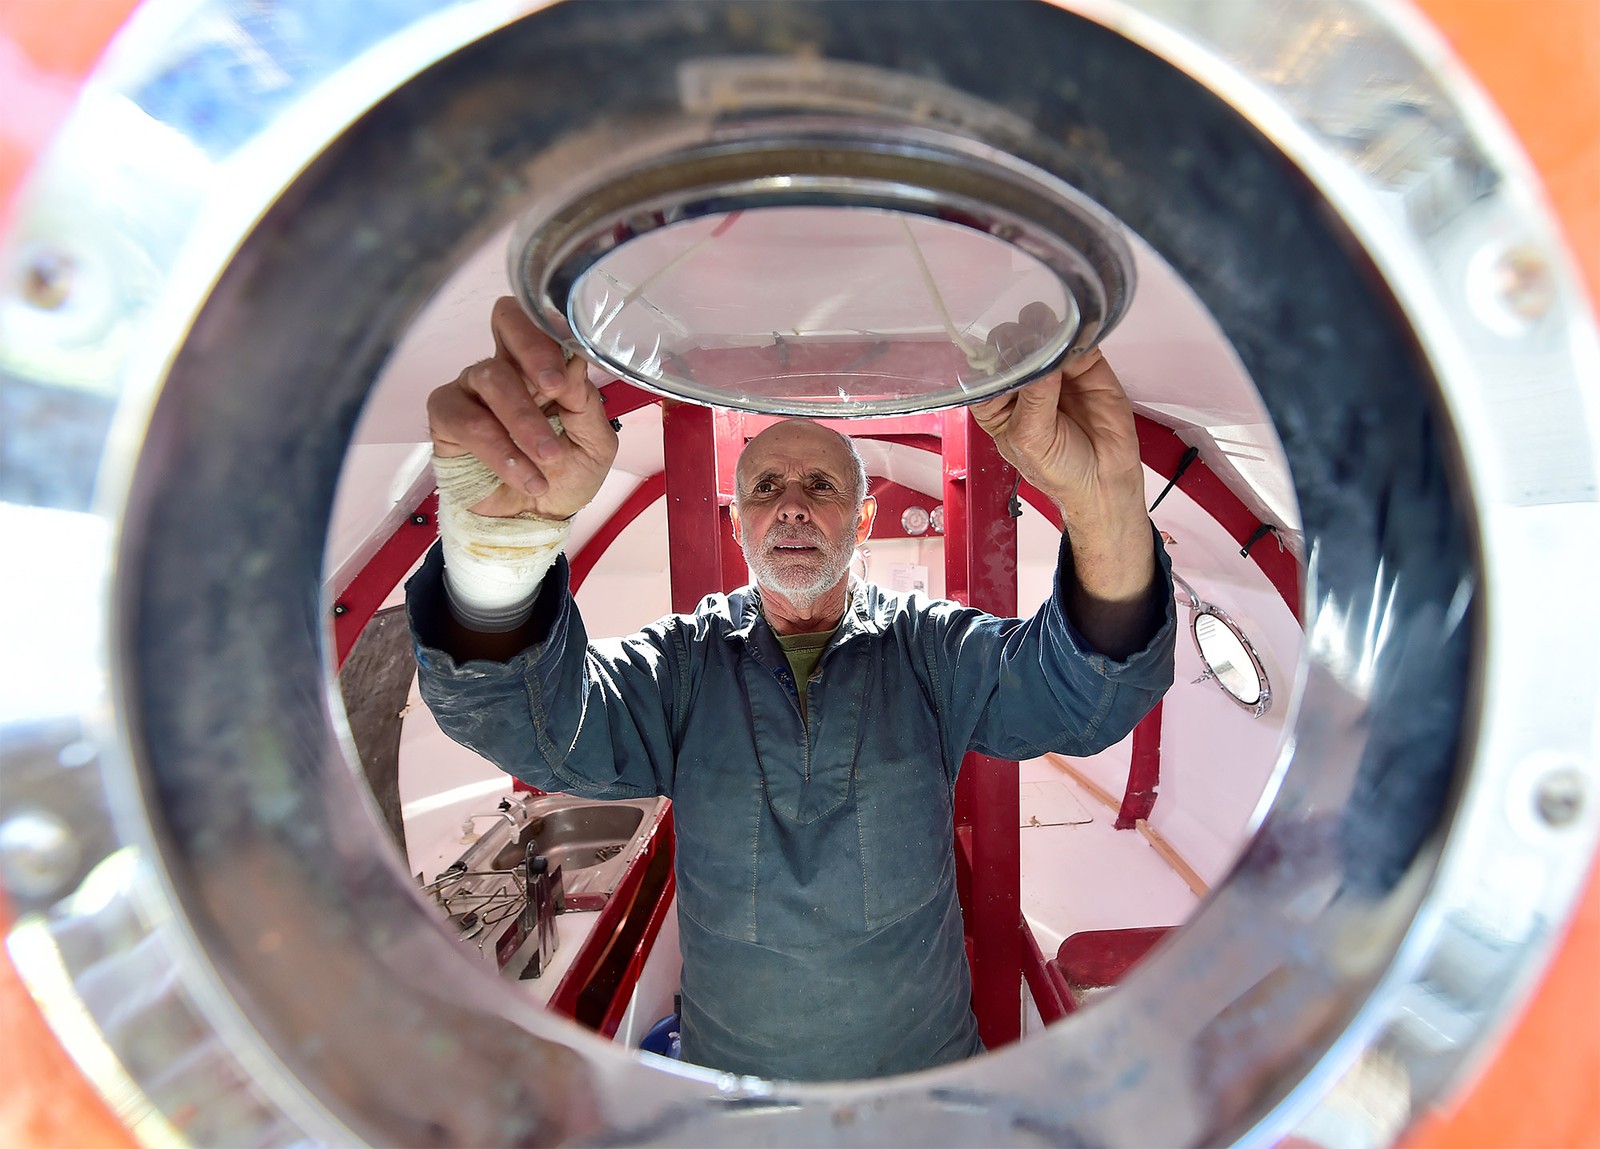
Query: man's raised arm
[[1071, 434], [521, 443]]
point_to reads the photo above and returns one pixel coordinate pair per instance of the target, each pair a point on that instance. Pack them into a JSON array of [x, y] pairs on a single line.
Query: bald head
[[801, 438], [799, 512]]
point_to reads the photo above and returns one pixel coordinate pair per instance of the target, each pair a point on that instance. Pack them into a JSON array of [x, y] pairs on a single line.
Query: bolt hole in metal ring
[[1357, 927]]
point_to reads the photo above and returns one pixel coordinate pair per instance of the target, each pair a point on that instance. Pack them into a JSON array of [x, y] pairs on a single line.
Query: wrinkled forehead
[[795, 445]]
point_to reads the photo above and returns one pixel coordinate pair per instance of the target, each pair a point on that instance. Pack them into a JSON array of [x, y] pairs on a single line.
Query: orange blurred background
[[1539, 61]]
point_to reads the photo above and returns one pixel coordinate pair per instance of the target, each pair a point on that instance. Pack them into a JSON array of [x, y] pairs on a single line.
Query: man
[[808, 728]]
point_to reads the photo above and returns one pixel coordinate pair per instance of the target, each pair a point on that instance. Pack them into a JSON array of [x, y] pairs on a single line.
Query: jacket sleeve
[[564, 715], [1014, 688]]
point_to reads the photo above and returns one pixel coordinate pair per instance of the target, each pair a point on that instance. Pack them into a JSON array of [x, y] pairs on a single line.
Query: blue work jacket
[[821, 934]]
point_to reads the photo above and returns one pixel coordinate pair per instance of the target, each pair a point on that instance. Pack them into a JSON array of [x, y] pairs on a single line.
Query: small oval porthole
[[1230, 660]]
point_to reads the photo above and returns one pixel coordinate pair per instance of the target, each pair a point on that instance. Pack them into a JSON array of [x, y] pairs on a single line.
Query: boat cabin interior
[[256, 895]]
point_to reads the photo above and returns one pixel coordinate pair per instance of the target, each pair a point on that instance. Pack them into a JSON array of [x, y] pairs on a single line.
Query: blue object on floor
[[663, 1038]]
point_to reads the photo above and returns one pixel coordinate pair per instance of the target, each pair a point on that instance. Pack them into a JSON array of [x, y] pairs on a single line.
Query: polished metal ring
[[229, 940]]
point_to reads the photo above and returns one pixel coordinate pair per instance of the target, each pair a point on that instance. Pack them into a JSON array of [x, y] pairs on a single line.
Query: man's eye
[[822, 485], [764, 487]]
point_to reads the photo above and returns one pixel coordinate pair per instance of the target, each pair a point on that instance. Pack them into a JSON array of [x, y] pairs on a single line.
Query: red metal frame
[[696, 522], [1050, 992], [638, 500], [1161, 449], [981, 571], [641, 955], [1095, 958], [888, 428], [366, 590], [1144, 771], [621, 398], [622, 904]]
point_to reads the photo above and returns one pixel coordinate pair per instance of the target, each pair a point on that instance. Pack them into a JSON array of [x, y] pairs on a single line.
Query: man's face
[[796, 515]]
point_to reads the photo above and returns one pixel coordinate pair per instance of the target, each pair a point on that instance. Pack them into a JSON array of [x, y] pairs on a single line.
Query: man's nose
[[793, 506]]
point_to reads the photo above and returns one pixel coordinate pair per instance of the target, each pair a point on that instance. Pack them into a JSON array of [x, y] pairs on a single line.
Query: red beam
[[623, 397], [1144, 771], [613, 916], [730, 429], [1050, 992], [694, 520], [887, 427], [647, 940], [641, 497], [640, 955], [365, 592], [981, 571], [734, 572], [1095, 958], [1161, 450]]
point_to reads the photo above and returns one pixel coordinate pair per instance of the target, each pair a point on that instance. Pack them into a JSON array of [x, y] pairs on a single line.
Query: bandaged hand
[[493, 566], [521, 443]]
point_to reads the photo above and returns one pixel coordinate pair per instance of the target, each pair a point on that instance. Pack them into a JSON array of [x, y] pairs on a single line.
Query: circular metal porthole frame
[[800, 162], [1341, 203], [1263, 700]]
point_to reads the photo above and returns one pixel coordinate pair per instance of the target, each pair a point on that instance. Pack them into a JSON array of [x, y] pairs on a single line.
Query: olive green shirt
[[804, 651]]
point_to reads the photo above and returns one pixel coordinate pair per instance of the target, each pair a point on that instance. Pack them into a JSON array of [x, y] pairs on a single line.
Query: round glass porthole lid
[[875, 283]]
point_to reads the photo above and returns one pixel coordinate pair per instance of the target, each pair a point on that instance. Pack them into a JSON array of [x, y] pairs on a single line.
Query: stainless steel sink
[[573, 837], [590, 843]]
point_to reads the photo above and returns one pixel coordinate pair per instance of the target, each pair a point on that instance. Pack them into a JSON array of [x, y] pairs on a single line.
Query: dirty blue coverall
[[817, 907]]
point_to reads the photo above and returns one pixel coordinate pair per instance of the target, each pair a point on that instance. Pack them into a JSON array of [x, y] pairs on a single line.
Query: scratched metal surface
[[270, 203]]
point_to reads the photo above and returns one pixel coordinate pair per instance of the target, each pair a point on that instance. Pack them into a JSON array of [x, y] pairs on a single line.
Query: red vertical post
[[1144, 771], [730, 431], [981, 571], [694, 522]]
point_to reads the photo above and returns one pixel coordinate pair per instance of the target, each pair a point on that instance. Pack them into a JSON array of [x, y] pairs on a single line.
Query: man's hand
[[1071, 434], [498, 410]]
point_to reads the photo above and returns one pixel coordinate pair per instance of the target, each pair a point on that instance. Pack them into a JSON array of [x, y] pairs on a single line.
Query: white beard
[[801, 584]]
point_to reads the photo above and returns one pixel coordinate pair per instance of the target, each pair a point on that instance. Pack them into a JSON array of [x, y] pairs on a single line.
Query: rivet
[[47, 278], [1511, 287], [38, 853], [1559, 796]]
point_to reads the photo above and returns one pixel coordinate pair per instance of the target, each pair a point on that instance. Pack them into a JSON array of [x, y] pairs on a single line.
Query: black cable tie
[[1188, 457], [1262, 531]]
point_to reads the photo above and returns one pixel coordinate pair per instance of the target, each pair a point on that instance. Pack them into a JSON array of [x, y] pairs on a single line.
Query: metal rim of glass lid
[[824, 270]]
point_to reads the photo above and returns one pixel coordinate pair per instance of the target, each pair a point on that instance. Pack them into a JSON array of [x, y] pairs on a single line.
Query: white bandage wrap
[[492, 566]]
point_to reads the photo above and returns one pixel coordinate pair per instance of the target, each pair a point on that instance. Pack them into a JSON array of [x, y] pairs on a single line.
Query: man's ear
[[733, 513], [864, 518]]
